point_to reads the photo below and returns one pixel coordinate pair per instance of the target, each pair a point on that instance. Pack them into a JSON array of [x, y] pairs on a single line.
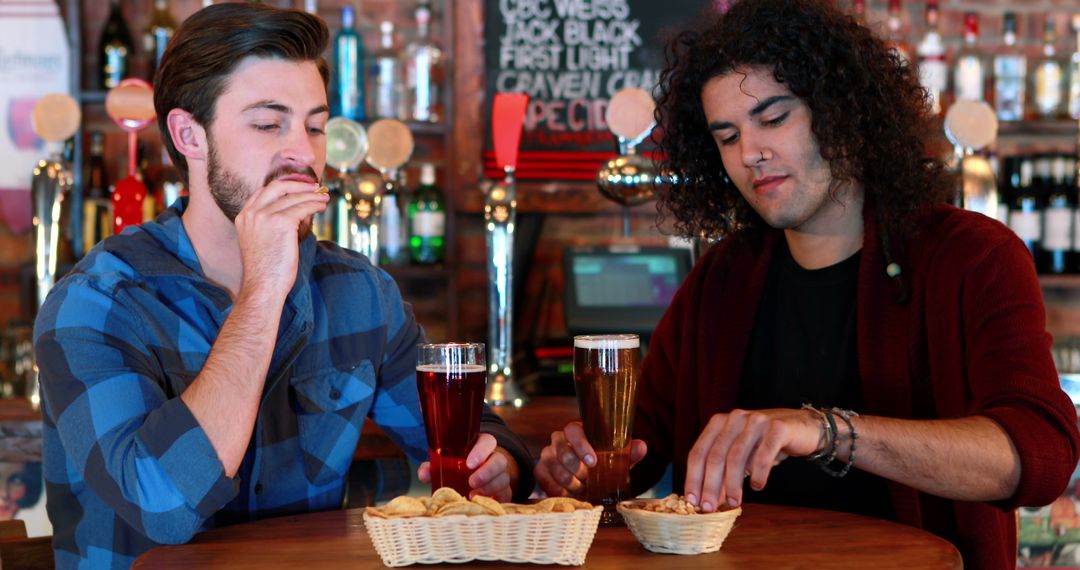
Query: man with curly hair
[[849, 316]]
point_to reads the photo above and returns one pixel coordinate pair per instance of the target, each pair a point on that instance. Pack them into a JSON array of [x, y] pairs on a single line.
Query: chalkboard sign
[[570, 57]]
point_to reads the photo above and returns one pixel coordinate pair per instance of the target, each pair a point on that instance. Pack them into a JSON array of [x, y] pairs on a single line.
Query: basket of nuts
[[673, 526], [449, 528]]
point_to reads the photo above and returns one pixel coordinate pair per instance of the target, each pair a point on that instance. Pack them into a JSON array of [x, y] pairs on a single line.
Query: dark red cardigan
[[971, 340]]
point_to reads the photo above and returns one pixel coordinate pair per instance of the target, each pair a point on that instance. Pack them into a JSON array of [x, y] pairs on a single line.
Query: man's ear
[[187, 134]]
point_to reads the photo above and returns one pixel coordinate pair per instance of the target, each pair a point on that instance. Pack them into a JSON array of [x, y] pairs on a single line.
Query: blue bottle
[[347, 98]]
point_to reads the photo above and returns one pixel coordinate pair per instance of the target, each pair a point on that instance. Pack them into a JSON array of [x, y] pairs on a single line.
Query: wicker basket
[[671, 533], [546, 538]]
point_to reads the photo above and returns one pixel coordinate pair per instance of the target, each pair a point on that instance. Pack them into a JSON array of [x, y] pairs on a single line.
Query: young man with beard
[[849, 316], [217, 365]]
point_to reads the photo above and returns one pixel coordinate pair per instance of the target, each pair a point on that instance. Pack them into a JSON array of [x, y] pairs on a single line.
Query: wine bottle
[[1057, 219], [97, 204], [114, 57], [157, 35], [1024, 208], [427, 220]]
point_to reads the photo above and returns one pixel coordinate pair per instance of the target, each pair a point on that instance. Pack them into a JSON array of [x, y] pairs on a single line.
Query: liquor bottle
[[1057, 236], [1010, 75], [97, 204], [389, 102], [427, 220], [424, 71], [933, 71], [348, 79], [895, 24], [1074, 72], [157, 36], [969, 75], [393, 243], [114, 57], [1024, 208], [1048, 76]]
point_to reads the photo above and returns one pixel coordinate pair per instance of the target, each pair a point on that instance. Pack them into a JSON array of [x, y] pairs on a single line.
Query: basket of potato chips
[[449, 528], [673, 526]]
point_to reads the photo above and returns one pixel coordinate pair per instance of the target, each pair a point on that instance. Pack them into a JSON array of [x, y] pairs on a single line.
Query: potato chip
[[562, 505], [491, 505], [404, 506], [444, 496], [461, 508], [514, 509]]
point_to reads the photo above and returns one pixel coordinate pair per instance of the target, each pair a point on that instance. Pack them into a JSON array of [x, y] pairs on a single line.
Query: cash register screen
[[621, 291]]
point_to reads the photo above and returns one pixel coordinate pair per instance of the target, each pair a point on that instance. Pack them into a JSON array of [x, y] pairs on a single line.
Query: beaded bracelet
[[829, 449], [847, 416]]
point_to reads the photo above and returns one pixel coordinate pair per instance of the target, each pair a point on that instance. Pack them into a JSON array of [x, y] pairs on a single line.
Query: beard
[[231, 192]]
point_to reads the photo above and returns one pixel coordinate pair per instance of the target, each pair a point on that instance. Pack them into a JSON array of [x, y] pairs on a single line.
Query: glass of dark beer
[[451, 379], [605, 377]]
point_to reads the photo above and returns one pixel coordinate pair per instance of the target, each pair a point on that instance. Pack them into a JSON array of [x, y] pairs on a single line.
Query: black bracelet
[[845, 415]]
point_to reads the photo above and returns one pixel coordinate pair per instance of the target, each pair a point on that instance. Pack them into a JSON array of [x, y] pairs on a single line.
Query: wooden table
[[765, 536]]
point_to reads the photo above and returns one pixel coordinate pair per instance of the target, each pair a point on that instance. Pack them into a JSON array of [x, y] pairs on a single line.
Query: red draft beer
[[451, 380], [605, 377]]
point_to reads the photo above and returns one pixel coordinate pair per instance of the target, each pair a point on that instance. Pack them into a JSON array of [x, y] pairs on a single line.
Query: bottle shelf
[[1060, 281], [93, 97], [1038, 128], [413, 272]]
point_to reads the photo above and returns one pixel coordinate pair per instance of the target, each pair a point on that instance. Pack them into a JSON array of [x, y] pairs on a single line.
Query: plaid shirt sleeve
[[396, 405], [140, 450]]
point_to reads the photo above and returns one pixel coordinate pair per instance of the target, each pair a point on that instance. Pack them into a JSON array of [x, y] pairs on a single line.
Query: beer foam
[[459, 368], [615, 341]]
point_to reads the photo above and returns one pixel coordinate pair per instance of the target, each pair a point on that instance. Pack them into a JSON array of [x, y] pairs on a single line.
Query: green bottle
[[427, 220]]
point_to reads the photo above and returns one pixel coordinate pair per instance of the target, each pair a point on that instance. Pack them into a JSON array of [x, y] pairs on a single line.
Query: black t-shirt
[[803, 350]]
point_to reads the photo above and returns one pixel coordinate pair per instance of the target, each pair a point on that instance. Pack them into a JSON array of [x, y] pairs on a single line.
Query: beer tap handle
[[507, 118]]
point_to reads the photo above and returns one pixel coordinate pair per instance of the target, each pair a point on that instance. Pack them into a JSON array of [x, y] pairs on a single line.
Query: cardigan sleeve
[[661, 374], [1012, 375]]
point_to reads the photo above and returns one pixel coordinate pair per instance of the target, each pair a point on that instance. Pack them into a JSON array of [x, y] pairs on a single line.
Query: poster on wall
[[34, 61], [570, 57]]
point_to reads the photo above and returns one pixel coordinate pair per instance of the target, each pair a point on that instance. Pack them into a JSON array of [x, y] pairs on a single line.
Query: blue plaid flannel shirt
[[127, 466]]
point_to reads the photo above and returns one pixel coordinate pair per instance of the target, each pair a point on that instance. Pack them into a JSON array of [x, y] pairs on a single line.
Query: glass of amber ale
[[451, 379], [605, 377]]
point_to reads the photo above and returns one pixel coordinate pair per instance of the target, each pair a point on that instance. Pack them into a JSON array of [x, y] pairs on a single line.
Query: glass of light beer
[[605, 377], [451, 379]]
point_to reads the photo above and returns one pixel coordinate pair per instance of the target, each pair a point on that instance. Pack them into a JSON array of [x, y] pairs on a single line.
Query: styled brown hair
[[869, 114], [211, 44]]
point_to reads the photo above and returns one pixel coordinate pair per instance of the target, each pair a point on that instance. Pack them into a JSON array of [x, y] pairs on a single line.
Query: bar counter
[[765, 536]]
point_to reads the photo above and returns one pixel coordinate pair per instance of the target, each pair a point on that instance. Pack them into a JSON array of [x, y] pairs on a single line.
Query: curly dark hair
[[869, 114]]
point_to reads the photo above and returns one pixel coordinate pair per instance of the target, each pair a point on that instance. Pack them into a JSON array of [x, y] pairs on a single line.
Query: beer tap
[[971, 126], [500, 215], [55, 119], [630, 179], [391, 146], [131, 106], [346, 147]]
